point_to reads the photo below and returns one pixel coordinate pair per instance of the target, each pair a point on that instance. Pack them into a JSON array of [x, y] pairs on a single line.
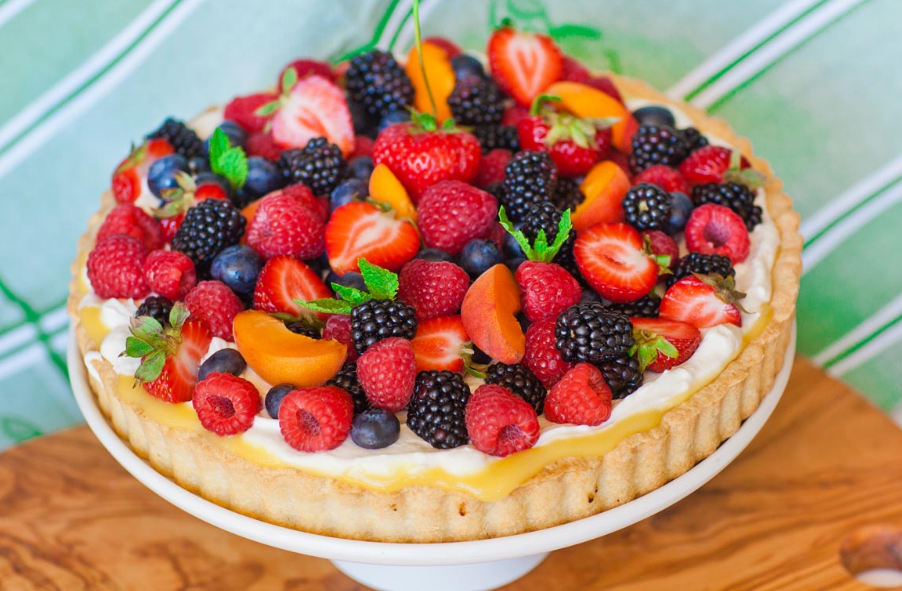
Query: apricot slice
[[585, 101], [489, 314], [280, 356], [604, 188], [441, 79], [386, 188]]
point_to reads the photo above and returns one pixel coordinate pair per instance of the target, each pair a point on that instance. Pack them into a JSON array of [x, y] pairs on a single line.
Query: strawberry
[[605, 85], [421, 155], [362, 230], [612, 259], [438, 344], [574, 71], [284, 279], [363, 146], [513, 114], [715, 229], [662, 344], [452, 213], [313, 107], [702, 301], [387, 371], [664, 177], [243, 111], [132, 220], [338, 328], [116, 267], [500, 423], [491, 168], [524, 64], [319, 206], [581, 397], [542, 356], [712, 164], [308, 67], [316, 419], [262, 144], [130, 177], [226, 404], [214, 304], [434, 289], [662, 245], [170, 274], [284, 224]]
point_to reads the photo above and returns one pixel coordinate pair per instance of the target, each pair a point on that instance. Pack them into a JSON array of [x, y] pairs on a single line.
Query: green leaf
[[178, 315], [568, 31], [289, 79], [135, 347], [352, 295], [268, 109], [647, 356], [327, 306], [227, 160], [151, 367], [381, 283], [666, 347], [146, 328], [517, 234], [563, 232], [540, 250]]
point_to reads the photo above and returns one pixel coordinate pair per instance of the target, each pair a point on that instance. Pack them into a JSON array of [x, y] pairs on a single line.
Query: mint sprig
[[381, 284], [227, 160], [539, 250]]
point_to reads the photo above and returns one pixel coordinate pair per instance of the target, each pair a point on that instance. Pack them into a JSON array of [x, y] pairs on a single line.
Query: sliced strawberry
[[243, 111], [663, 344], [362, 230], [612, 259], [524, 64], [307, 67], [438, 344], [315, 107], [129, 177], [284, 279], [700, 304], [179, 376]]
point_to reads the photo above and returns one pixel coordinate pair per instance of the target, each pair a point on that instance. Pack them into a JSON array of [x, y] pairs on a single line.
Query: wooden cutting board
[[824, 476]]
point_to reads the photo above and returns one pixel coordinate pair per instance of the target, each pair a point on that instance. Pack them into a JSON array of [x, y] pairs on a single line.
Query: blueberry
[[263, 176], [514, 263], [479, 255], [654, 115], [512, 248], [589, 295], [224, 361], [361, 168], [238, 267], [348, 191], [209, 178], [375, 428], [351, 279], [680, 208], [466, 65], [237, 135], [198, 165], [161, 175], [393, 118], [273, 400], [434, 255], [480, 357]]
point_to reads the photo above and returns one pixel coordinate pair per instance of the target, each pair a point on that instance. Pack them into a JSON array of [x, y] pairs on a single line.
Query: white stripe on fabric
[[881, 318], [22, 360], [406, 38], [97, 62], [849, 225], [54, 320], [860, 191], [110, 80], [17, 337], [733, 51], [394, 21], [883, 341], [11, 8], [774, 50]]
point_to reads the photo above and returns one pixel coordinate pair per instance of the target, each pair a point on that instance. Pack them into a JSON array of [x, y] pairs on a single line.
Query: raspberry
[[338, 328], [116, 267], [132, 220], [512, 116], [546, 290], [664, 177], [308, 67], [214, 304], [242, 108], [542, 357], [662, 245], [262, 144], [581, 397], [316, 419], [387, 372], [573, 71], [226, 404], [434, 289], [283, 225], [170, 274], [451, 213], [500, 423], [491, 168], [715, 229]]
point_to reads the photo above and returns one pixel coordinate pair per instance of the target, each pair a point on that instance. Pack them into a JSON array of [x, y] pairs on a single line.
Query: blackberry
[[437, 410], [591, 333], [693, 139], [182, 138], [568, 195], [157, 307], [622, 375], [346, 379], [657, 144], [377, 83], [301, 327], [319, 165], [375, 320], [492, 137], [476, 101], [736, 196], [529, 179], [696, 262], [648, 306], [647, 207], [519, 380], [208, 228]]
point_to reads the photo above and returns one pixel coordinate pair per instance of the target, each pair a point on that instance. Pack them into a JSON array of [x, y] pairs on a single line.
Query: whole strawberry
[[542, 356], [387, 372], [500, 423], [452, 213], [116, 267], [434, 289], [581, 397]]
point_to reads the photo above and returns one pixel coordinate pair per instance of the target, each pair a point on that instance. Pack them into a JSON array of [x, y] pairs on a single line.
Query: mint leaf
[[327, 306], [227, 160], [382, 283], [517, 234], [135, 347], [352, 295], [540, 250], [151, 367]]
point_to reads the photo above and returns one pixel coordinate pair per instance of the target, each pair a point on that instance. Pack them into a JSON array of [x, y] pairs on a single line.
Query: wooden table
[[821, 475]]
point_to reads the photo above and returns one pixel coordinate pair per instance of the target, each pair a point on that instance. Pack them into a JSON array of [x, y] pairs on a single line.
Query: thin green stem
[[419, 42]]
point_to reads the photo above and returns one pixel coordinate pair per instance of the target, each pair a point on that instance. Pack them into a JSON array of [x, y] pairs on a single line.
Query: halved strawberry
[[284, 279], [179, 375], [524, 64], [710, 164], [611, 257], [362, 230], [129, 178], [438, 344], [315, 107], [702, 303], [662, 344]]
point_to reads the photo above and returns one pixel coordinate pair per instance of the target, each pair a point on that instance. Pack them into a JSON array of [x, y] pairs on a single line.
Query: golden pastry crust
[[563, 491]]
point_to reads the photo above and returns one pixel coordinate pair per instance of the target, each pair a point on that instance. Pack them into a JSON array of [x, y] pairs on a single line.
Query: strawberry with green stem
[[663, 344], [130, 177]]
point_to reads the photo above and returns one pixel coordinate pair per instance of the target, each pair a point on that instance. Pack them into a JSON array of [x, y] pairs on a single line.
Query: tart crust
[[565, 490]]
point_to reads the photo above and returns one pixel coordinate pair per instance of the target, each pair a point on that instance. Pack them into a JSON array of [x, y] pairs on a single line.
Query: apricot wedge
[[280, 356], [489, 315], [585, 101], [386, 188], [441, 79], [604, 188]]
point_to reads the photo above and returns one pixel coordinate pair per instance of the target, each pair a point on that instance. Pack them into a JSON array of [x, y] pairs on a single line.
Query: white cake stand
[[458, 566]]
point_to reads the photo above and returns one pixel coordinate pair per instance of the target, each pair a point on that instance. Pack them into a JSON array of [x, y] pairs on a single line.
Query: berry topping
[[491, 167], [127, 178], [622, 375], [156, 306], [613, 259], [542, 356], [209, 227], [238, 267], [439, 343], [375, 429], [316, 419], [116, 267], [529, 179], [310, 108], [647, 306], [706, 165], [500, 423], [274, 398], [497, 137], [214, 304], [228, 361], [591, 333], [362, 230], [476, 101], [434, 289], [319, 165], [737, 196], [520, 381], [338, 328], [661, 245], [524, 64], [452, 213], [663, 344], [704, 264], [182, 138], [479, 255], [703, 301], [375, 320], [243, 111], [647, 207], [169, 273], [226, 404], [387, 371], [437, 409], [283, 224], [307, 67], [376, 82], [657, 144], [715, 229], [664, 177], [283, 280], [346, 379], [163, 174], [654, 115], [581, 397], [132, 220]]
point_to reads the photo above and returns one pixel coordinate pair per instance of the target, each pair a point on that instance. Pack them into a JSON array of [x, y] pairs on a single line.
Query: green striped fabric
[[813, 83]]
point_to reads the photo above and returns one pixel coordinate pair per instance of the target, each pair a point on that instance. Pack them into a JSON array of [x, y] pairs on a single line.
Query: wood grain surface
[[821, 475]]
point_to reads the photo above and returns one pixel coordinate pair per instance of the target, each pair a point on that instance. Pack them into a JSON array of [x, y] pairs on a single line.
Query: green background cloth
[[815, 84]]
